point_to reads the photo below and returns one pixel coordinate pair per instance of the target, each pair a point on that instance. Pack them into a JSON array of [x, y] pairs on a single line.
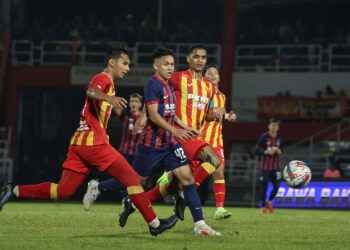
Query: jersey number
[[179, 152]]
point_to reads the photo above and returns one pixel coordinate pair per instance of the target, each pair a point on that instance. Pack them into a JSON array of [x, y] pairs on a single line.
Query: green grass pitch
[[53, 225]]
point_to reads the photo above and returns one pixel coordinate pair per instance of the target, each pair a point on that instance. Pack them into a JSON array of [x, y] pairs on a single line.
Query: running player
[[158, 142], [269, 148], [127, 148], [212, 131], [89, 147]]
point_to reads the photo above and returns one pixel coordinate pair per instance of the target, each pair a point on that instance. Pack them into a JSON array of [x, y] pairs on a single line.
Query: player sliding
[[159, 144], [89, 147]]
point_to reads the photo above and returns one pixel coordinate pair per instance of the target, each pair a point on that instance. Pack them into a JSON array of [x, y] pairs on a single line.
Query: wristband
[[226, 116]]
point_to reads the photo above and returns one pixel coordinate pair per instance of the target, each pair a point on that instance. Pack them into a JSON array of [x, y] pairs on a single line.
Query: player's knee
[[219, 173], [187, 180]]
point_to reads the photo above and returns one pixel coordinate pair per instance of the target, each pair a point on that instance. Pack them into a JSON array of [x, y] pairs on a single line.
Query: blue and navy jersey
[[157, 91], [128, 143], [268, 162]]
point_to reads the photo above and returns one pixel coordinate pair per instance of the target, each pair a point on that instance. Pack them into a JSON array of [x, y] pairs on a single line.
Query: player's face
[[197, 60], [212, 75], [274, 127], [165, 66], [135, 104], [121, 66]]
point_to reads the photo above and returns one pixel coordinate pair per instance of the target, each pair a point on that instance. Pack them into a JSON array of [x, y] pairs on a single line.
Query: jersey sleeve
[[151, 93], [100, 82], [260, 146], [175, 80]]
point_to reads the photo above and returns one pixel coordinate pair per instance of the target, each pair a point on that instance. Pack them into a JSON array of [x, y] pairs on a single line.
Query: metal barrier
[[93, 53], [278, 58]]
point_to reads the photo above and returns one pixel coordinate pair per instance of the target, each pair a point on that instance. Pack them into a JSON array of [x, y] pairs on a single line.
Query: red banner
[[301, 108]]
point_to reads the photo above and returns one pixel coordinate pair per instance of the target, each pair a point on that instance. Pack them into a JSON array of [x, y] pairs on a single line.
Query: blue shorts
[[129, 158], [148, 158]]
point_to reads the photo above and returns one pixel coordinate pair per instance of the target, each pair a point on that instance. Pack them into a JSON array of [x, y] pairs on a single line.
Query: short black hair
[[162, 51], [274, 120], [116, 53], [192, 47], [136, 95], [208, 67]]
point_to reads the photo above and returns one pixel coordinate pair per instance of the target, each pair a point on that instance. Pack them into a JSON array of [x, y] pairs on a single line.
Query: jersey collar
[[160, 79]]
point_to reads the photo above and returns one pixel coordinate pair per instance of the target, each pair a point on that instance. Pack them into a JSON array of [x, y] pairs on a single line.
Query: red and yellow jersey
[[192, 98], [95, 115], [212, 130]]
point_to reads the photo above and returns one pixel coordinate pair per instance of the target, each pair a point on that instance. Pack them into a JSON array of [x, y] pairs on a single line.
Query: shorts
[[81, 159], [270, 175], [193, 146], [148, 158]]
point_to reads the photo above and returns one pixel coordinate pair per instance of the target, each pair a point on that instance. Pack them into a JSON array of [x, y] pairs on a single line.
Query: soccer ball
[[297, 174]]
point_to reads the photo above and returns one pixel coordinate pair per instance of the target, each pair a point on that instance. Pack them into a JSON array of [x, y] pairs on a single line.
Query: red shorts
[[193, 146], [81, 159]]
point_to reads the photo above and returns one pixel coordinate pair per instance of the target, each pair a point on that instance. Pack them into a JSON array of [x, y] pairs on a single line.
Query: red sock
[[122, 171], [202, 173], [143, 204], [38, 191], [219, 192], [154, 193]]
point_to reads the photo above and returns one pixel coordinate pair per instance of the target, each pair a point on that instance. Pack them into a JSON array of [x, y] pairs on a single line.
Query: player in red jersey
[[89, 147], [212, 131], [193, 95], [127, 148]]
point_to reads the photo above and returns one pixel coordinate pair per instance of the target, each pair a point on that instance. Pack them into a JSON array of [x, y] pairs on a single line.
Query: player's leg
[[220, 188], [122, 171], [66, 187], [184, 174], [95, 188], [264, 182], [275, 177]]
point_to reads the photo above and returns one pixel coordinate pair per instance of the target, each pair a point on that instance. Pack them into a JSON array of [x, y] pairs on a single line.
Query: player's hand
[[277, 150], [139, 125], [183, 134], [269, 151], [118, 102], [231, 116], [194, 131]]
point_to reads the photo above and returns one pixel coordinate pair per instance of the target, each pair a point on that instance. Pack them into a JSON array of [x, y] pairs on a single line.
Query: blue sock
[[110, 185], [193, 201]]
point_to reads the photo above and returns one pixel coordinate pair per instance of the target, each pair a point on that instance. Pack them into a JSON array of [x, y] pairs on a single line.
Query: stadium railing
[[92, 53], [292, 58]]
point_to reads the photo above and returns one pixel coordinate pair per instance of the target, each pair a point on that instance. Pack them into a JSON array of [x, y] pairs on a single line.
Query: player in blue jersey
[[127, 148], [269, 148], [159, 144]]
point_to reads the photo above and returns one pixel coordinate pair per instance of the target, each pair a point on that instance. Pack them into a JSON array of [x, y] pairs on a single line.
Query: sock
[[156, 192], [141, 201], [219, 192], [111, 185], [199, 223], [193, 201], [42, 191], [154, 223], [202, 173]]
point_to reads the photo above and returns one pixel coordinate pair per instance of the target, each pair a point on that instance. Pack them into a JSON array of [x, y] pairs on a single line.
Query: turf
[[68, 226]]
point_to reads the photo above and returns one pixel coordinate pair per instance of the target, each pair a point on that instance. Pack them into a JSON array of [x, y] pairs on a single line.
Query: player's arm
[[179, 122], [154, 116], [96, 94], [261, 148], [141, 122]]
